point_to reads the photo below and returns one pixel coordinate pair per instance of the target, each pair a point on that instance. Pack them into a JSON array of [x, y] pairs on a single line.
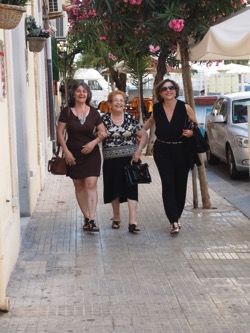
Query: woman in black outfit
[[171, 153], [119, 149]]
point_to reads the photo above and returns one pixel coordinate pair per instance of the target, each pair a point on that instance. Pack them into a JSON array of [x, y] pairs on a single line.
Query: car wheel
[[211, 158], [233, 172]]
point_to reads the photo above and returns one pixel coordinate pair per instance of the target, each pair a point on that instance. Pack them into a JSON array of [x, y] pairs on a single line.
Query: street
[[237, 192]]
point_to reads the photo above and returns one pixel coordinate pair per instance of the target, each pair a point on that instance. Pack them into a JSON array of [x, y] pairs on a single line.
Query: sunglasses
[[167, 88]]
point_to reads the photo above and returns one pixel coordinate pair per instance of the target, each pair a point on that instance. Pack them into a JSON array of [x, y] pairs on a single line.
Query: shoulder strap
[[65, 137]]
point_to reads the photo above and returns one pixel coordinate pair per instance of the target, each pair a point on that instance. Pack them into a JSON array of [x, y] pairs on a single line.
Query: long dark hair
[[71, 99], [159, 85]]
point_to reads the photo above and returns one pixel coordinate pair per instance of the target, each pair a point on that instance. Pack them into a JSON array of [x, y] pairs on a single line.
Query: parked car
[[202, 106], [226, 132]]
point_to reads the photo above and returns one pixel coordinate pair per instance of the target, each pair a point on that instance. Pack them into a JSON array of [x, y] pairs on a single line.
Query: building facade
[[27, 133]]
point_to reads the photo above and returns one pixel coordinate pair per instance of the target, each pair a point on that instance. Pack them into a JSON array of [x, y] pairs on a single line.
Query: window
[[239, 113], [224, 109], [94, 85]]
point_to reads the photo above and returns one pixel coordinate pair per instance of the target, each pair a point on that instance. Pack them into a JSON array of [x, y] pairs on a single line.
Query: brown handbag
[[57, 165]]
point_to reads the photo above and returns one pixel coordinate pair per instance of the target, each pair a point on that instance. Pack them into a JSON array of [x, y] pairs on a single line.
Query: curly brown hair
[[114, 93], [71, 100]]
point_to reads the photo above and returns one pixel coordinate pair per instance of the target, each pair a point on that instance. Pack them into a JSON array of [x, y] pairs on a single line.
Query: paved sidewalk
[[67, 280]]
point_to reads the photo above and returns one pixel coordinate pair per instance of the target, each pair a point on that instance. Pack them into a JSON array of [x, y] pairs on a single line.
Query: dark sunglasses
[[167, 88]]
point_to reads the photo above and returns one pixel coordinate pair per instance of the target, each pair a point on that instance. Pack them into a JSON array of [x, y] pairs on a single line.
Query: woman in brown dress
[[81, 149]]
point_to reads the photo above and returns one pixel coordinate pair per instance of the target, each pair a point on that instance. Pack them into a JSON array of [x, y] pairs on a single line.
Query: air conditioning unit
[[55, 6]]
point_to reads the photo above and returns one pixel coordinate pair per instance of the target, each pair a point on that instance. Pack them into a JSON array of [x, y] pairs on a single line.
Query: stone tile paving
[[67, 280]]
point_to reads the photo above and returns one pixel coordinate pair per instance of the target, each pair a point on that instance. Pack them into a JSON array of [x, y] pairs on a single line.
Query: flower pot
[[36, 44], [10, 16]]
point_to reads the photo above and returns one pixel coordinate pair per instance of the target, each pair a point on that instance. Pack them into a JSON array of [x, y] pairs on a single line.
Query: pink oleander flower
[[153, 48], [111, 56], [132, 2], [176, 25], [103, 37]]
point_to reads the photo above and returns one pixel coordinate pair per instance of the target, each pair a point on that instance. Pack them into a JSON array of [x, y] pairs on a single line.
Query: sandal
[[133, 228], [85, 226], [175, 229], [116, 224], [92, 226]]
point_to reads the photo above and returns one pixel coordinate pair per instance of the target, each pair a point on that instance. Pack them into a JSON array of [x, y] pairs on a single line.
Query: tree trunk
[[119, 79], [189, 97], [161, 71], [141, 102]]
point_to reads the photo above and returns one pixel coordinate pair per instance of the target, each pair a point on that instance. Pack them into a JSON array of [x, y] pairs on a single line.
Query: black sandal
[[133, 228], [85, 226], [92, 226], [116, 224]]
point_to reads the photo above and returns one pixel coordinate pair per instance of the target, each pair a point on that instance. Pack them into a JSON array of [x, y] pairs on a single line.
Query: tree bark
[[189, 97], [161, 71], [119, 79]]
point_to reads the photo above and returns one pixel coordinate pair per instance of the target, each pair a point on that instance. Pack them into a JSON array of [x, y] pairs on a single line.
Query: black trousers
[[173, 166]]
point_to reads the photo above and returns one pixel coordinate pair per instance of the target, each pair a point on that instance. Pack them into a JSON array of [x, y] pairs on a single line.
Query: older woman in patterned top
[[119, 149]]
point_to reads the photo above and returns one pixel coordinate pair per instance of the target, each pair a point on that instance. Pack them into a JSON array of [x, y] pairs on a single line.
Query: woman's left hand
[[88, 148], [136, 156], [187, 133], [102, 135]]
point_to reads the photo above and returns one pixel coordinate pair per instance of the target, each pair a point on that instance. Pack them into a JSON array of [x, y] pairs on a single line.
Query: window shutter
[[55, 6]]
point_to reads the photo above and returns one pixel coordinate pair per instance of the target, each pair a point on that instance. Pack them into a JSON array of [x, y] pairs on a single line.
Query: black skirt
[[114, 181]]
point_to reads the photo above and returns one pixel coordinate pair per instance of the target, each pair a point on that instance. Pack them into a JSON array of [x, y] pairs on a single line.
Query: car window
[[240, 111], [220, 108], [217, 107], [94, 85]]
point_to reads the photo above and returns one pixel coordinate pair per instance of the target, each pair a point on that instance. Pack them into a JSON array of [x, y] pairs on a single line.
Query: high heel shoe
[[175, 228], [133, 228], [85, 226], [115, 224], [92, 226]]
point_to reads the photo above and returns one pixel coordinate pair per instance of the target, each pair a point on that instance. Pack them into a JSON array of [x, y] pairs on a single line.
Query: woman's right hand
[[69, 158]]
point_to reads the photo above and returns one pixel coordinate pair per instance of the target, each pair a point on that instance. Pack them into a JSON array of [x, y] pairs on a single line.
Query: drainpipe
[[50, 92], [50, 77]]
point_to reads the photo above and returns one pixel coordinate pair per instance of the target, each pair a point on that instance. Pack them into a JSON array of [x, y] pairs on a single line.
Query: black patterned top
[[122, 139]]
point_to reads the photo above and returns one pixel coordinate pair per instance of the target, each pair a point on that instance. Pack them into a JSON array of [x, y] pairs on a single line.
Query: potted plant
[[11, 12], [36, 35]]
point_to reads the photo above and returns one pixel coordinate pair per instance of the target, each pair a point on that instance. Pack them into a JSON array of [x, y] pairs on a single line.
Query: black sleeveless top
[[169, 131]]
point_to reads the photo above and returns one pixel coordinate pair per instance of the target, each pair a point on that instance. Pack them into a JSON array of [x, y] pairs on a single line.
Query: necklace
[[118, 122], [82, 118]]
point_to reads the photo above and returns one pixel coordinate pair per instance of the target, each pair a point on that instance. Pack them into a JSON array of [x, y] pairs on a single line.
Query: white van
[[98, 85]]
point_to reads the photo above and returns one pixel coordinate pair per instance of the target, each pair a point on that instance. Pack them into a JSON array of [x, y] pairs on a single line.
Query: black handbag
[[137, 173], [57, 165], [199, 143]]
